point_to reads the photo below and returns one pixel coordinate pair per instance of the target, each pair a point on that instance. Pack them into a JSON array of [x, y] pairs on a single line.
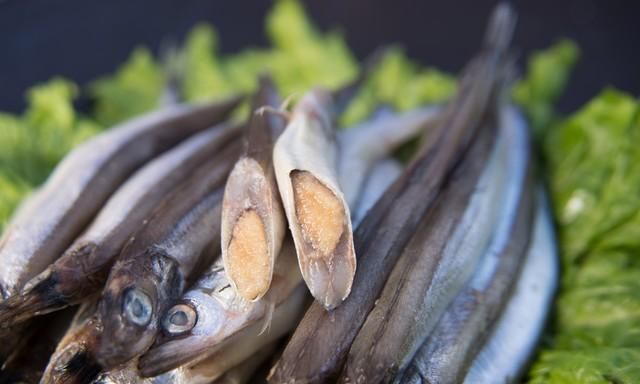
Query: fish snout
[[130, 326]]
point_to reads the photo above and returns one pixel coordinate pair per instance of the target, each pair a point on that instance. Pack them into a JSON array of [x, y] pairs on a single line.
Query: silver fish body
[[381, 176], [81, 270], [446, 354], [46, 224], [516, 335], [435, 264]]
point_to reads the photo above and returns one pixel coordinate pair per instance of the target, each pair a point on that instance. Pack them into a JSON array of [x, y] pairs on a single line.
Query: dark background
[[82, 39]]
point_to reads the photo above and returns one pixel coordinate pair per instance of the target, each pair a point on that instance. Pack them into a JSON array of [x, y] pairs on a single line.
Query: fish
[[153, 267], [82, 269], [253, 221], [522, 321], [445, 355], [211, 314], [73, 361], [441, 257], [305, 160], [318, 347], [47, 222]]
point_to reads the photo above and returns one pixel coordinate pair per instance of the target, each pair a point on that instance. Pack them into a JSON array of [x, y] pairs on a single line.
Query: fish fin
[[268, 316]]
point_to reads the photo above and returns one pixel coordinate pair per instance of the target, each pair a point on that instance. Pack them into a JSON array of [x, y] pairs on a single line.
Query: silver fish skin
[[246, 343], [446, 354], [82, 269], [437, 262], [217, 314], [384, 173], [363, 145], [46, 224], [516, 335]]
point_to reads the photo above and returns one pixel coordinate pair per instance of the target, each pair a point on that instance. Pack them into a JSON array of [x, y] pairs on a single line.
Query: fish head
[[130, 323], [191, 330], [131, 307]]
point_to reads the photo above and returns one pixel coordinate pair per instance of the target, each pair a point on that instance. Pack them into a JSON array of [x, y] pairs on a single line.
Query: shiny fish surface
[[518, 331], [82, 269], [82, 183], [215, 313]]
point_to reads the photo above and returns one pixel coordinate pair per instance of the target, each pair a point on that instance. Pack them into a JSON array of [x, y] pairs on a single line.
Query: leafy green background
[[591, 161]]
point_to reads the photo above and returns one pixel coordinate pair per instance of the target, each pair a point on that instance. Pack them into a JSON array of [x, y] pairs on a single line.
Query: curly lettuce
[[593, 168], [135, 88], [33, 143], [547, 76]]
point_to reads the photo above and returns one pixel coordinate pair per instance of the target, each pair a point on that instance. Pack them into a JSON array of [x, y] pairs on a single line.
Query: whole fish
[[83, 268], [152, 269], [210, 314], [305, 159], [447, 352], [73, 361], [253, 222], [320, 343], [518, 331], [439, 259], [84, 180]]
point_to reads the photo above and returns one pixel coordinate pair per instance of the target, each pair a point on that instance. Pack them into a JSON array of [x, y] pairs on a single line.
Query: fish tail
[[500, 29], [268, 316]]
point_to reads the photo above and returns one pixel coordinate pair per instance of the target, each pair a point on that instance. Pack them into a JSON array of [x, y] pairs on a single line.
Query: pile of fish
[[185, 247]]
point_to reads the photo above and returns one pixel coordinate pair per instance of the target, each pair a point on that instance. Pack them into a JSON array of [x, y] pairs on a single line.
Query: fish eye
[[137, 307], [181, 318]]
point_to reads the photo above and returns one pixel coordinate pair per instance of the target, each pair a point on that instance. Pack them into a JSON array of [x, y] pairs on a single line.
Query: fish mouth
[[170, 355], [130, 323], [115, 350], [41, 299]]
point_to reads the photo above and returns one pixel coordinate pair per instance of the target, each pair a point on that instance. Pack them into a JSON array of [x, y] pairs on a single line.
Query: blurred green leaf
[[547, 76], [135, 88]]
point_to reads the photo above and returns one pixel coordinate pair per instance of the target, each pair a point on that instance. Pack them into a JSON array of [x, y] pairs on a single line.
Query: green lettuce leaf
[[32, 144], [135, 88], [204, 76], [588, 366], [594, 176], [547, 75]]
